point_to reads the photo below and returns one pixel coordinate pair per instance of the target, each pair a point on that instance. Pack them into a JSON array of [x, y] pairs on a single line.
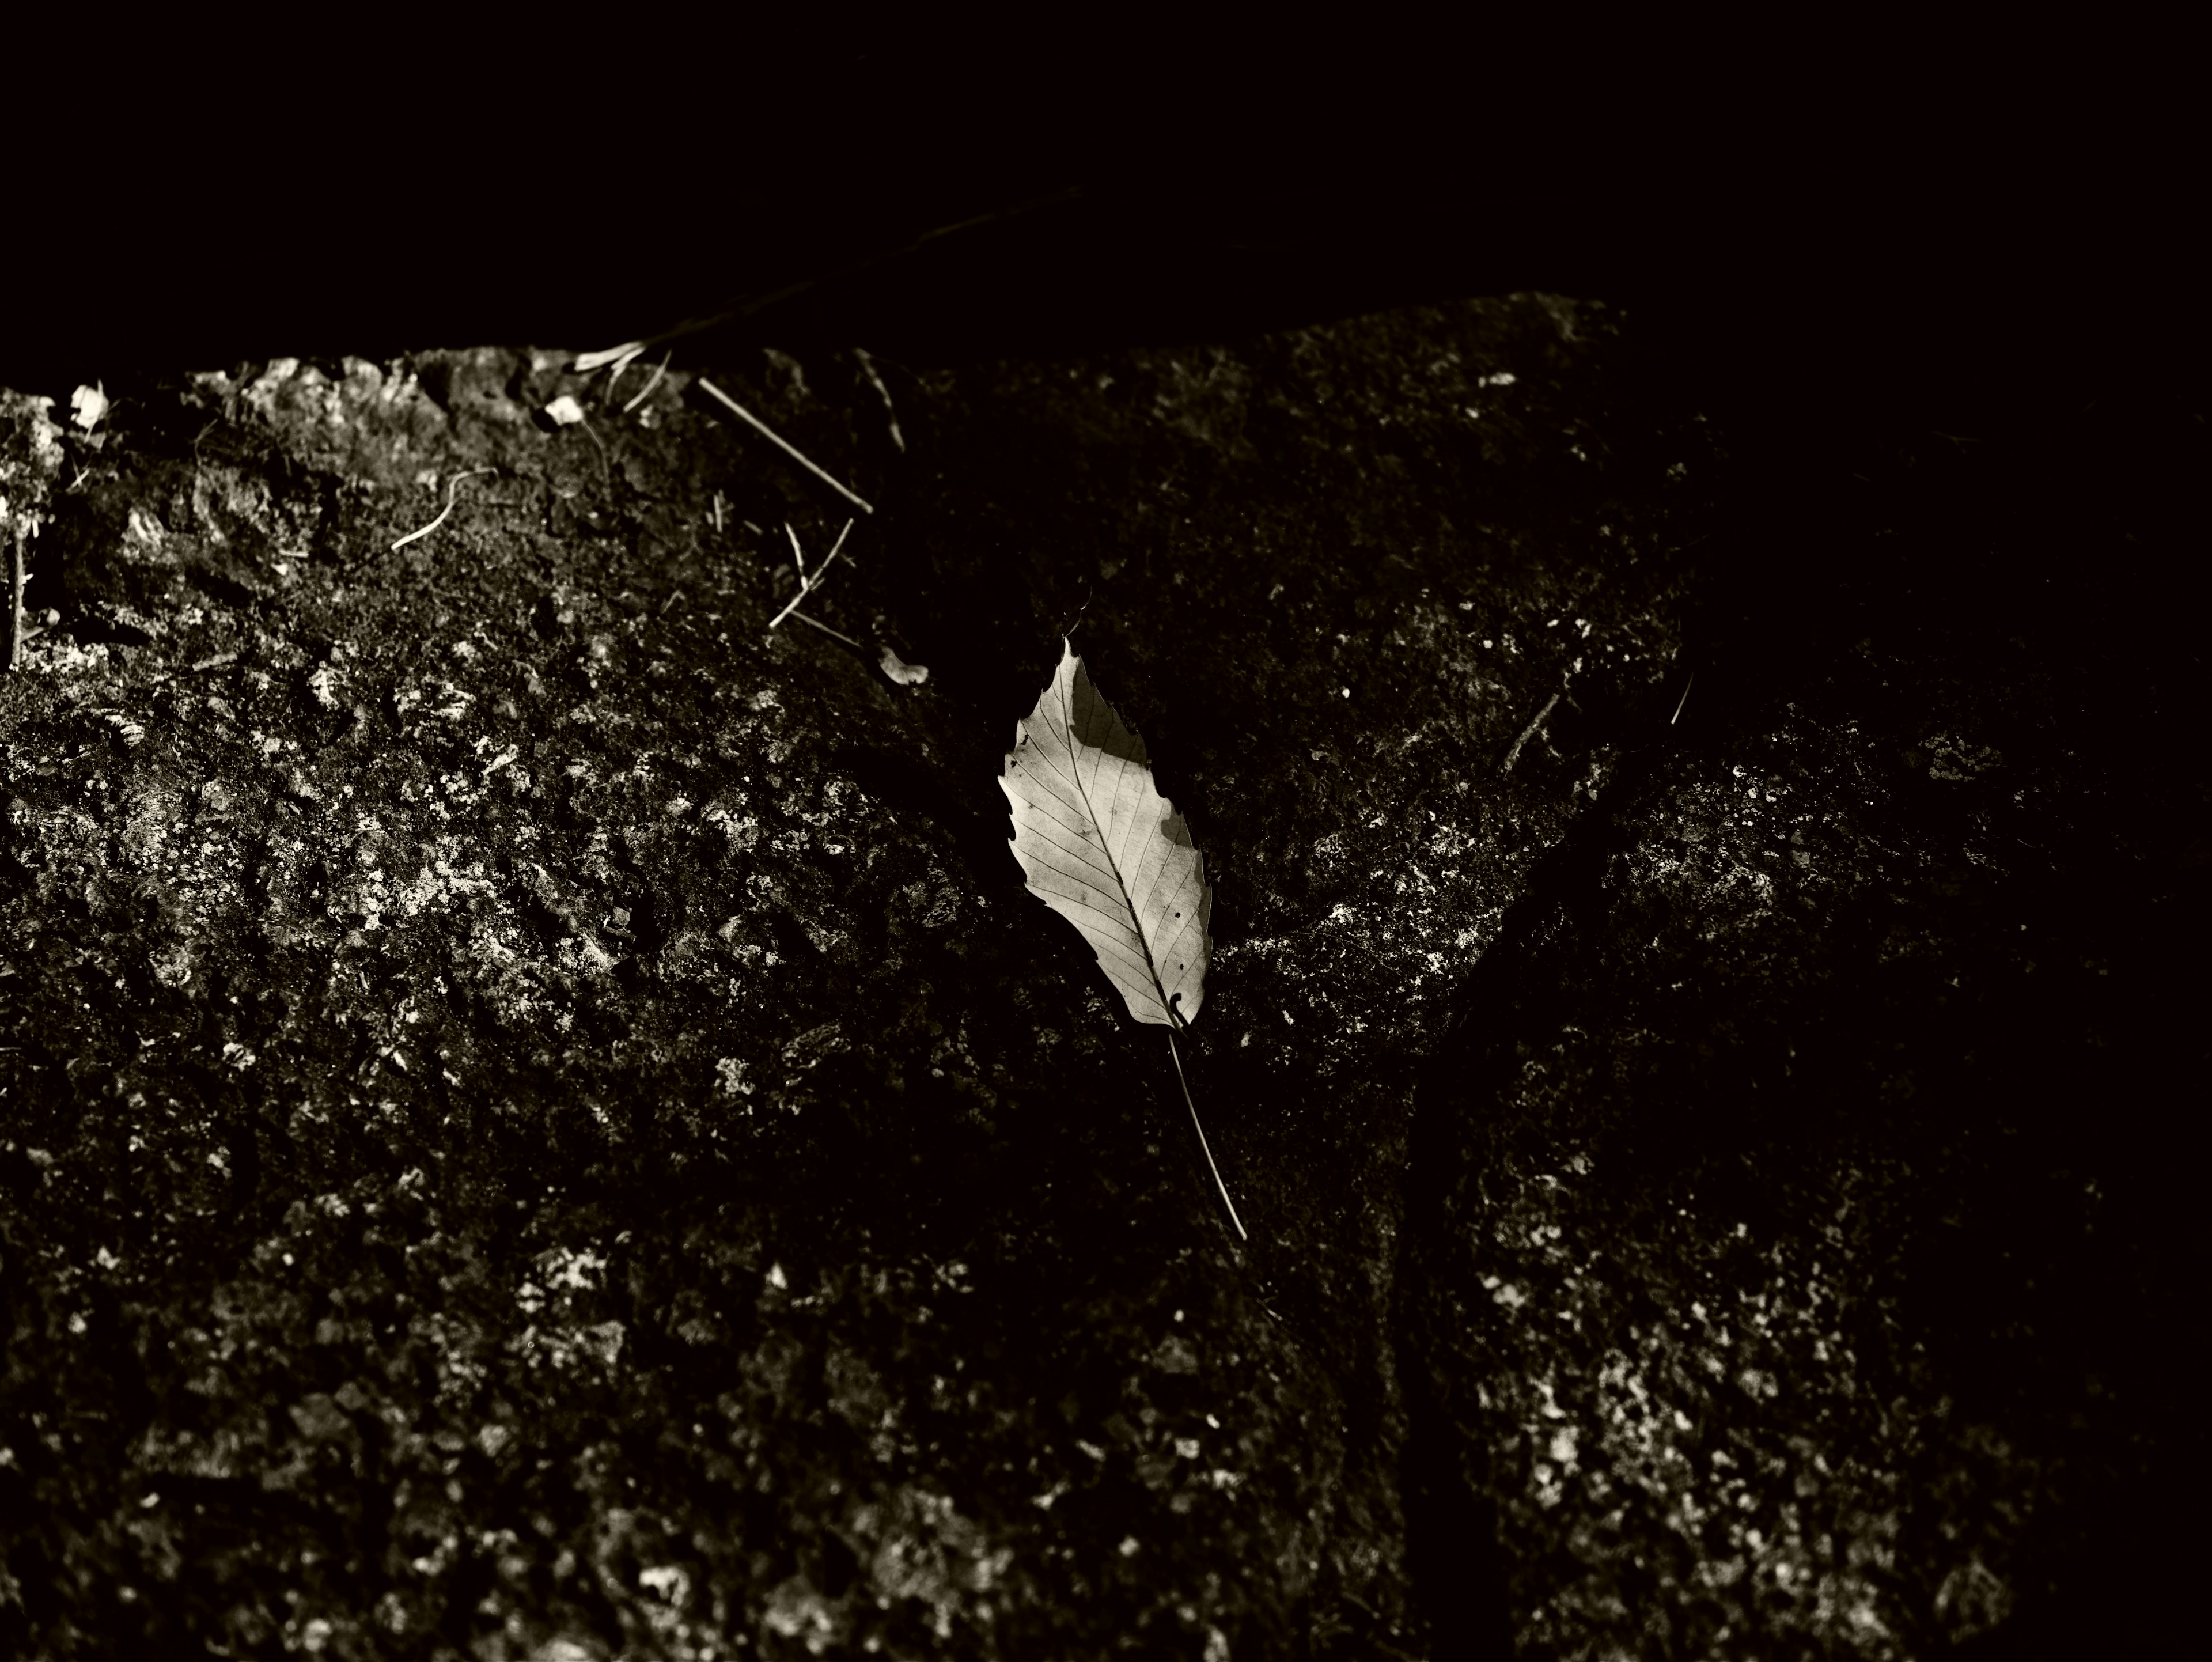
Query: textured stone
[[539, 1118]]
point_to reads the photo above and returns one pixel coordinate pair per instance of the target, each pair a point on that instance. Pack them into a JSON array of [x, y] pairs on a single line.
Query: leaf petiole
[[1176, 1015]]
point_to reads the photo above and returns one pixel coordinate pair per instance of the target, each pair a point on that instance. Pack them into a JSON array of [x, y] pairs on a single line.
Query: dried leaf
[[1106, 850]]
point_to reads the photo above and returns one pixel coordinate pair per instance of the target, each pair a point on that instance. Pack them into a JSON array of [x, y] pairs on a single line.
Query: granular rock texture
[[539, 1120]]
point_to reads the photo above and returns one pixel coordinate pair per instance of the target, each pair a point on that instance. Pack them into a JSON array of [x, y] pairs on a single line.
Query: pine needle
[[658, 370], [782, 444], [587, 361], [808, 585], [452, 485], [825, 629]]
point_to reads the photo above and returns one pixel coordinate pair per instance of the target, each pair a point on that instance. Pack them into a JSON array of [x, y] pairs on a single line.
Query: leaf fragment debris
[[906, 674], [646, 392]]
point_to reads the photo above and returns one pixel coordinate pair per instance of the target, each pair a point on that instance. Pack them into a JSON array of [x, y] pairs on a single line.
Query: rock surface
[[540, 1120]]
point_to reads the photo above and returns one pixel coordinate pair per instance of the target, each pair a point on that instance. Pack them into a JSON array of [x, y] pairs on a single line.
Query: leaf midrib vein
[[1066, 736]]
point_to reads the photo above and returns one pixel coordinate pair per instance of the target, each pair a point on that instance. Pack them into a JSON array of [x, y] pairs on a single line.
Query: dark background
[[1830, 214]]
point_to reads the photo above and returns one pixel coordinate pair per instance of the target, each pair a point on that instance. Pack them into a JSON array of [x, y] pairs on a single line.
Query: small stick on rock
[[1529, 732], [16, 577], [782, 444], [621, 364]]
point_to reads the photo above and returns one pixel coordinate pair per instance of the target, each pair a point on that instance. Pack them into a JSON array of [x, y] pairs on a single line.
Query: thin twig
[[783, 444], [1528, 732], [796, 553], [807, 586], [607, 462], [452, 485], [658, 370], [1200, 1129], [16, 577], [824, 628], [1686, 685], [869, 364]]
